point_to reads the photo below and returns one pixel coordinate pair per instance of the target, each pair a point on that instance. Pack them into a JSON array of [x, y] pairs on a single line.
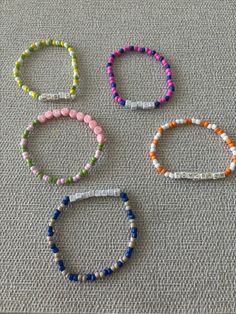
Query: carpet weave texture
[[184, 262]]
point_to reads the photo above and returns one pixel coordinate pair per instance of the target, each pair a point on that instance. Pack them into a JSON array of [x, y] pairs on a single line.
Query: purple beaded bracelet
[[139, 104]]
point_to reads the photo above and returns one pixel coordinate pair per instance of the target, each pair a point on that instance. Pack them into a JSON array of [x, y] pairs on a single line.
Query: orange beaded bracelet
[[192, 175]]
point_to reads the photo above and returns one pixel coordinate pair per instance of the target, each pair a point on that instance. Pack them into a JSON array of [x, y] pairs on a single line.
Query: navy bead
[[142, 50], [130, 214], [54, 248], [60, 263], [171, 87], [55, 214], [112, 55], [61, 267], [66, 200], [105, 272], [93, 277], [124, 197], [110, 271], [153, 52], [113, 85], [119, 264], [122, 103], [50, 231], [129, 252], [111, 74], [161, 58], [121, 50], [157, 104], [115, 95], [168, 77], [73, 277], [134, 232], [88, 277], [167, 98], [167, 66], [131, 48]]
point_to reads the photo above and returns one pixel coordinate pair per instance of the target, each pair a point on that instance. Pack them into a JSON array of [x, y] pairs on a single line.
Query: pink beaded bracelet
[[57, 113], [139, 104]]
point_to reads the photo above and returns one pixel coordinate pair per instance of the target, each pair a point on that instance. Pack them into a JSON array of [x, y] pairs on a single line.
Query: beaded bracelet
[[192, 175], [106, 271], [47, 97], [57, 113], [139, 104]]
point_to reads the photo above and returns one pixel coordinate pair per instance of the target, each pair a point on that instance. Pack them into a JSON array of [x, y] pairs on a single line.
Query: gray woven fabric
[[186, 252]]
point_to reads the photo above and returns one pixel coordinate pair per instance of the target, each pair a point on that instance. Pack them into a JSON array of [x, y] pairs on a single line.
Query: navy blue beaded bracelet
[[139, 104], [74, 277]]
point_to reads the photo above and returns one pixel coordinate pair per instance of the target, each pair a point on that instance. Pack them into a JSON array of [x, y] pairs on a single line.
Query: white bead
[[97, 275], [61, 206], [113, 268], [79, 278], [155, 163], [214, 126], [132, 225], [40, 98], [209, 126], [171, 175], [65, 273], [56, 259], [83, 278], [127, 207], [132, 239], [66, 45], [153, 147], [157, 136], [166, 174], [165, 126], [126, 203], [101, 274], [72, 96], [116, 267], [232, 166], [49, 238], [232, 148], [225, 137]]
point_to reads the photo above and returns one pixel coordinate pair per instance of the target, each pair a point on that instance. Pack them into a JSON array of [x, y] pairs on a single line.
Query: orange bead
[[172, 124], [231, 144], [204, 123], [227, 171], [234, 159], [155, 142], [160, 130], [152, 154], [187, 121]]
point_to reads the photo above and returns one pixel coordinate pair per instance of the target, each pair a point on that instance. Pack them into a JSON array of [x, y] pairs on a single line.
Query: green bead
[[68, 180], [100, 146], [39, 174], [73, 87], [25, 134], [29, 162], [23, 149], [93, 161], [35, 122], [30, 49], [83, 172], [24, 146], [23, 56], [51, 179]]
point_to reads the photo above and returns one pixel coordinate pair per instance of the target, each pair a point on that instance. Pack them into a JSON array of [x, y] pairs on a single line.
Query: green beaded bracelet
[[47, 97]]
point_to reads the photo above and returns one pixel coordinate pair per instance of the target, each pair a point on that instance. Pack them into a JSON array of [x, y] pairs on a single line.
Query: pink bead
[[34, 170], [58, 182], [42, 118], [56, 113], [170, 83], [65, 112], [168, 72], [157, 56], [87, 167], [162, 100], [116, 98], [23, 141], [139, 49], [169, 93], [117, 53], [98, 153], [92, 124], [136, 47], [87, 118], [80, 116], [164, 62], [76, 178], [49, 115], [73, 114], [112, 80], [109, 69], [101, 138], [45, 177], [149, 52], [111, 60], [62, 181], [126, 48], [113, 90], [30, 128], [119, 99], [25, 155], [97, 130]]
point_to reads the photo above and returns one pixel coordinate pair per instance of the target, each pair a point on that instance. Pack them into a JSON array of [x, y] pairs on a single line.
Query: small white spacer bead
[[61, 206], [79, 278], [213, 126], [56, 259], [49, 238], [132, 244], [65, 273], [97, 275], [171, 175], [83, 278], [157, 136], [166, 174], [132, 239], [165, 126], [153, 147], [113, 268], [127, 207], [155, 163], [232, 166], [232, 148], [132, 224], [101, 274], [66, 45], [124, 259]]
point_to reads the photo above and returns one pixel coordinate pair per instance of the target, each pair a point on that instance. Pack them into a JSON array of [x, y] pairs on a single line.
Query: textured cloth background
[[186, 252]]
